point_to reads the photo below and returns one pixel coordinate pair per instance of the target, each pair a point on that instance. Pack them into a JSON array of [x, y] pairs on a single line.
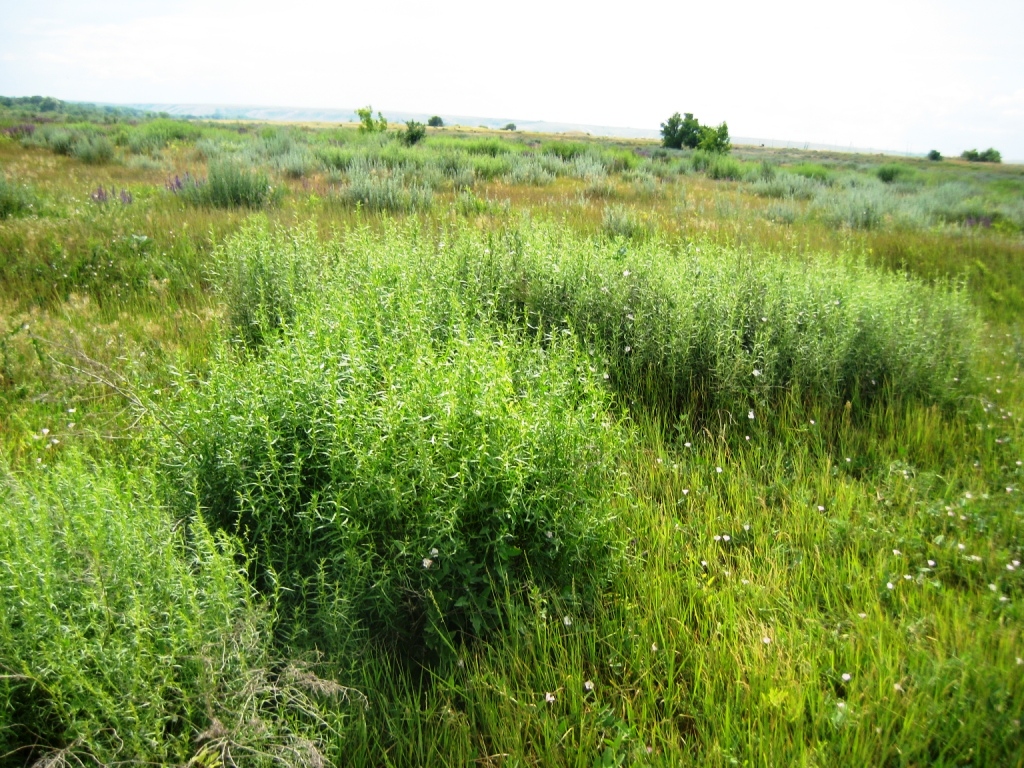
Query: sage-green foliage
[[125, 633], [229, 185], [396, 464]]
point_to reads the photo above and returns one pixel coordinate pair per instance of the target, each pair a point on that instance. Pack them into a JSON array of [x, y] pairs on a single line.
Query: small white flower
[[72, 410], [750, 414], [549, 698], [1016, 563], [588, 686], [686, 491], [704, 563], [654, 647], [812, 422], [897, 687], [1009, 566], [766, 640], [550, 534], [725, 537], [931, 563], [625, 273], [718, 538], [841, 704], [628, 349], [567, 620], [862, 615], [961, 547], [756, 372], [993, 587], [897, 552], [889, 585], [744, 581], [427, 562], [44, 431], [1004, 599], [968, 495], [746, 527], [848, 459], [907, 576], [718, 470], [821, 508], [434, 552], [687, 445]]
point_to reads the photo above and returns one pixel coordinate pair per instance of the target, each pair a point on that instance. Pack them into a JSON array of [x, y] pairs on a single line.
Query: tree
[[990, 155], [509, 127], [935, 155], [715, 139], [436, 122], [366, 122], [413, 132], [678, 132]]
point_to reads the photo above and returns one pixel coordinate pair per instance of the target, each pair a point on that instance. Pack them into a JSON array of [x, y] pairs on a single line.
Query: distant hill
[[315, 114]]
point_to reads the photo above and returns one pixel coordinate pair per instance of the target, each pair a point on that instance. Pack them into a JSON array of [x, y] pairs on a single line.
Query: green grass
[[231, 441]]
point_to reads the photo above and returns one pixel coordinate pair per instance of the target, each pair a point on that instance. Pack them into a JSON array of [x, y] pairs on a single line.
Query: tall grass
[[126, 637], [396, 473], [229, 185]]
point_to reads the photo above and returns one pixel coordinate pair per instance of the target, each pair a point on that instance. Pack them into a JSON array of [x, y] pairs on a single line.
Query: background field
[[503, 448]]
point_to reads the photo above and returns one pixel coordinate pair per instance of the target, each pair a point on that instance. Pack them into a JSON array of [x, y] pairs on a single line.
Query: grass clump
[[377, 190], [15, 199], [710, 328], [229, 185], [94, 150], [127, 638], [397, 470]]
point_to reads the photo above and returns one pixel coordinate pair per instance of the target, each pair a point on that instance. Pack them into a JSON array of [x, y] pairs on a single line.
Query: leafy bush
[[229, 185], [366, 122], [435, 122], [715, 140], [413, 132], [124, 635], [509, 127], [934, 154], [396, 464]]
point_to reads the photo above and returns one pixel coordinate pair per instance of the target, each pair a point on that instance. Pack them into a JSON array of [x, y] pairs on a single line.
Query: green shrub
[[990, 155], [722, 167], [414, 132], [566, 150], [687, 332], [95, 150], [715, 140], [398, 465], [619, 221], [934, 154], [229, 185], [893, 171], [813, 171], [435, 122], [382, 191], [125, 634], [857, 207]]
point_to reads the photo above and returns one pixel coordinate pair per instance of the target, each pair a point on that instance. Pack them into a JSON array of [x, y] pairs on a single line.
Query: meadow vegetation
[[327, 445]]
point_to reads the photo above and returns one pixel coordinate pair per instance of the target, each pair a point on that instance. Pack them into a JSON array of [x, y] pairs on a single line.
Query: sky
[[904, 75]]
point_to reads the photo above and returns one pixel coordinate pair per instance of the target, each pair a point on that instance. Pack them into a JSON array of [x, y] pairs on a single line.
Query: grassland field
[[323, 448]]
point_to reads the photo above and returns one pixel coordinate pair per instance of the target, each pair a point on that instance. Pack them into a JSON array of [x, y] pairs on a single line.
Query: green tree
[[934, 155], [679, 131], [715, 139], [366, 122], [436, 122], [509, 127]]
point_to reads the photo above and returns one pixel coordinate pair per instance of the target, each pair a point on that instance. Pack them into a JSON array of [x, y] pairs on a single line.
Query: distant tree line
[[685, 131]]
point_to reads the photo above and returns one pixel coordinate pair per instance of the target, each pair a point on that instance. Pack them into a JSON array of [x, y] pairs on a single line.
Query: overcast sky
[[889, 74]]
